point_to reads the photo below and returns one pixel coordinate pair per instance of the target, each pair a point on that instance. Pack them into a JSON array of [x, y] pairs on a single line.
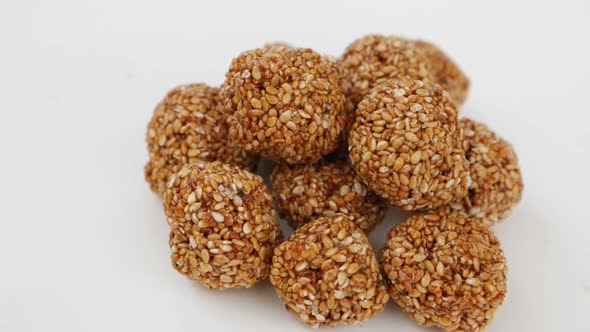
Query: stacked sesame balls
[[348, 136]]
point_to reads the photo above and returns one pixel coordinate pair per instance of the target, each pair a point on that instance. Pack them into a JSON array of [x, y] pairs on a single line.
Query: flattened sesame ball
[[188, 125], [327, 274], [405, 145], [446, 72], [306, 192], [497, 182], [285, 103], [374, 59], [445, 270], [224, 226]]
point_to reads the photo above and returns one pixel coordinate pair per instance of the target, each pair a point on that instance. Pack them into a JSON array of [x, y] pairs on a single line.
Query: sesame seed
[[339, 258], [217, 216], [285, 116], [247, 228], [301, 266]]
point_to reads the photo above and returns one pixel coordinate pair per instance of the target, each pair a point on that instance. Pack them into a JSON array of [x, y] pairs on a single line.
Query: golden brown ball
[[306, 192], [327, 274], [497, 183], [224, 226], [446, 72], [284, 103], [405, 145], [373, 59], [188, 125], [445, 270]]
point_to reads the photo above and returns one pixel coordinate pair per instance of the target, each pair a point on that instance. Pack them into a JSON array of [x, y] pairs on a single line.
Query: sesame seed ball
[[405, 145], [374, 59], [446, 72], [285, 103], [224, 226], [497, 182], [306, 192], [186, 126], [327, 273], [445, 270]]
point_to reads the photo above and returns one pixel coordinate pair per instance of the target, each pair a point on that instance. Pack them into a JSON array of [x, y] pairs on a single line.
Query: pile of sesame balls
[[379, 126]]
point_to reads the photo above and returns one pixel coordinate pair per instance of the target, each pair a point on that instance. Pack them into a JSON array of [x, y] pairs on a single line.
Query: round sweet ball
[[405, 145], [224, 226], [445, 270], [188, 125], [373, 59], [284, 103], [327, 274], [306, 192], [497, 183], [446, 72]]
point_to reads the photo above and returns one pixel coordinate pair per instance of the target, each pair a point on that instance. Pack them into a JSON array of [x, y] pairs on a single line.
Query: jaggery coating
[[224, 226], [188, 125], [496, 178], [405, 145], [446, 72], [284, 103], [373, 59], [445, 270], [327, 273], [306, 192]]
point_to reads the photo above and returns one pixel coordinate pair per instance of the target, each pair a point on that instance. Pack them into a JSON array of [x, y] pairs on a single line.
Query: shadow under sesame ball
[[188, 125], [224, 226], [284, 103]]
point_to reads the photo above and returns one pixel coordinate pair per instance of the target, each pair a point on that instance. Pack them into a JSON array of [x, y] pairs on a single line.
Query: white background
[[83, 242]]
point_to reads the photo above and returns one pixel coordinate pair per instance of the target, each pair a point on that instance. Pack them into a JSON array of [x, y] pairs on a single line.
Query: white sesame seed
[[217, 216]]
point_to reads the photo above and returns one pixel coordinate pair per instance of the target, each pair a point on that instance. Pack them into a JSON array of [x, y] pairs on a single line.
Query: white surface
[[83, 242]]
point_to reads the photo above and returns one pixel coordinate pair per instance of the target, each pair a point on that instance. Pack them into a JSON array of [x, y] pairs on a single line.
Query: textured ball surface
[[446, 72], [373, 59], [285, 103], [224, 226], [306, 192], [497, 183], [406, 146], [327, 274], [445, 270], [187, 126]]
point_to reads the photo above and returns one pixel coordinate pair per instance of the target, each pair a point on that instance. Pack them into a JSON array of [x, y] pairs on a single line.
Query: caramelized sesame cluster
[[379, 125], [445, 270], [445, 72], [327, 273], [284, 103], [374, 59], [306, 192], [496, 179], [405, 145], [224, 226], [188, 126]]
